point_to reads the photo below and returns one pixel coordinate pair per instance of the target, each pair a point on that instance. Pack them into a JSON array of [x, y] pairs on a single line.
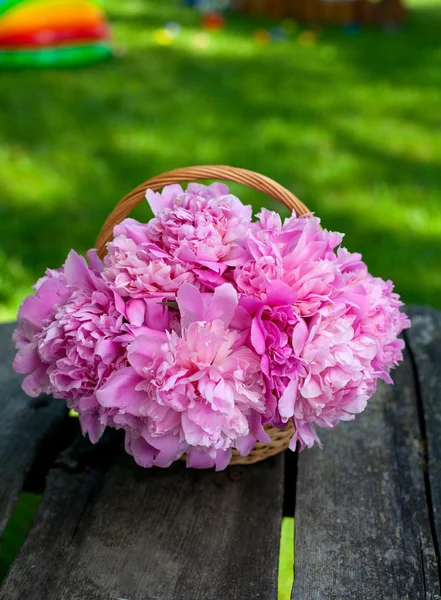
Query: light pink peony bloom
[[35, 310], [87, 339], [73, 334], [136, 268], [196, 393], [325, 328], [298, 253], [339, 377], [204, 226], [80, 343], [346, 347], [383, 319]]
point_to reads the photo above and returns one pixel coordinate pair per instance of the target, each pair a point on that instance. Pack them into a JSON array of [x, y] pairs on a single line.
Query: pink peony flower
[[204, 226], [201, 327], [87, 339], [345, 348], [298, 253], [383, 320], [326, 330], [50, 292], [136, 268], [275, 332], [195, 393], [339, 376]]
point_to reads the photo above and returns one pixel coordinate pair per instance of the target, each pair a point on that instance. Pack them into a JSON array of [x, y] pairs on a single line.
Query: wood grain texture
[[424, 342], [24, 424], [154, 535], [362, 517]]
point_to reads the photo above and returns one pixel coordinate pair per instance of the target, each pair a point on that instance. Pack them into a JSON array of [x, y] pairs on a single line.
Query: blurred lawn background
[[351, 124]]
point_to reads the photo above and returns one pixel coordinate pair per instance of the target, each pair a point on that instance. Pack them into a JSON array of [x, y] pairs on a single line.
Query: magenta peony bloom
[[204, 226], [275, 330], [194, 393]]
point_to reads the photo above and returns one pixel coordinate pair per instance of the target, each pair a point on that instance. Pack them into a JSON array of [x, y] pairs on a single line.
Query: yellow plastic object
[[162, 37], [9, 5], [46, 14]]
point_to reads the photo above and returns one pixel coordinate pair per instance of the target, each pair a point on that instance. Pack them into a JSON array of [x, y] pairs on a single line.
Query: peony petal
[[219, 189], [256, 426], [120, 392], [287, 400], [26, 360], [132, 229], [135, 311], [190, 303], [75, 268], [310, 388], [299, 337], [141, 450], [142, 350], [258, 336], [223, 304], [245, 444], [90, 425], [107, 350], [198, 460], [279, 293], [157, 316], [95, 262], [158, 202], [223, 458], [36, 383], [305, 435]]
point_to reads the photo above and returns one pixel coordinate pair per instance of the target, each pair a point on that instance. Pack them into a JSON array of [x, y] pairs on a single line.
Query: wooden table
[[367, 506]]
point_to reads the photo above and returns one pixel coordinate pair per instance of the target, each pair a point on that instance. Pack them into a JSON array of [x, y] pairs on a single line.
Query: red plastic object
[[53, 37], [213, 21]]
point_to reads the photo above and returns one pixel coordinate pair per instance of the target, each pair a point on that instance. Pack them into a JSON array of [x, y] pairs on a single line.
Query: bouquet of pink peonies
[[202, 331]]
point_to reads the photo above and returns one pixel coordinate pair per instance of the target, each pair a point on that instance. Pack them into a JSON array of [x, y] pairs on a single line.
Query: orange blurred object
[[213, 21], [262, 36]]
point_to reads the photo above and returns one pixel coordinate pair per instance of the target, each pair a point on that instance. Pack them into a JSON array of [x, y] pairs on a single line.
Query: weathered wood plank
[[154, 534], [362, 526], [24, 423], [424, 342]]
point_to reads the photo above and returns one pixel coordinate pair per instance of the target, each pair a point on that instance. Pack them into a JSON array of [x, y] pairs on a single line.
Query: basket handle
[[258, 182]]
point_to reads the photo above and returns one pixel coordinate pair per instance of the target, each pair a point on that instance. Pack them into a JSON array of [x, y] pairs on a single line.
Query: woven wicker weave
[[279, 438]]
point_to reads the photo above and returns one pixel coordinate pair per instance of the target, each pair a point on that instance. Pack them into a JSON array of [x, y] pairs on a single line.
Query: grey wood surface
[[24, 424], [154, 535], [424, 342], [363, 511], [367, 511]]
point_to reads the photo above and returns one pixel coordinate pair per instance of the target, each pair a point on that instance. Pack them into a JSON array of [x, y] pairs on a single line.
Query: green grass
[[351, 124], [286, 564], [17, 529]]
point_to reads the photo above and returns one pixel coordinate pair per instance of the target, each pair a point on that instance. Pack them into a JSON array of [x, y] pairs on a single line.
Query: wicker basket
[[279, 438]]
